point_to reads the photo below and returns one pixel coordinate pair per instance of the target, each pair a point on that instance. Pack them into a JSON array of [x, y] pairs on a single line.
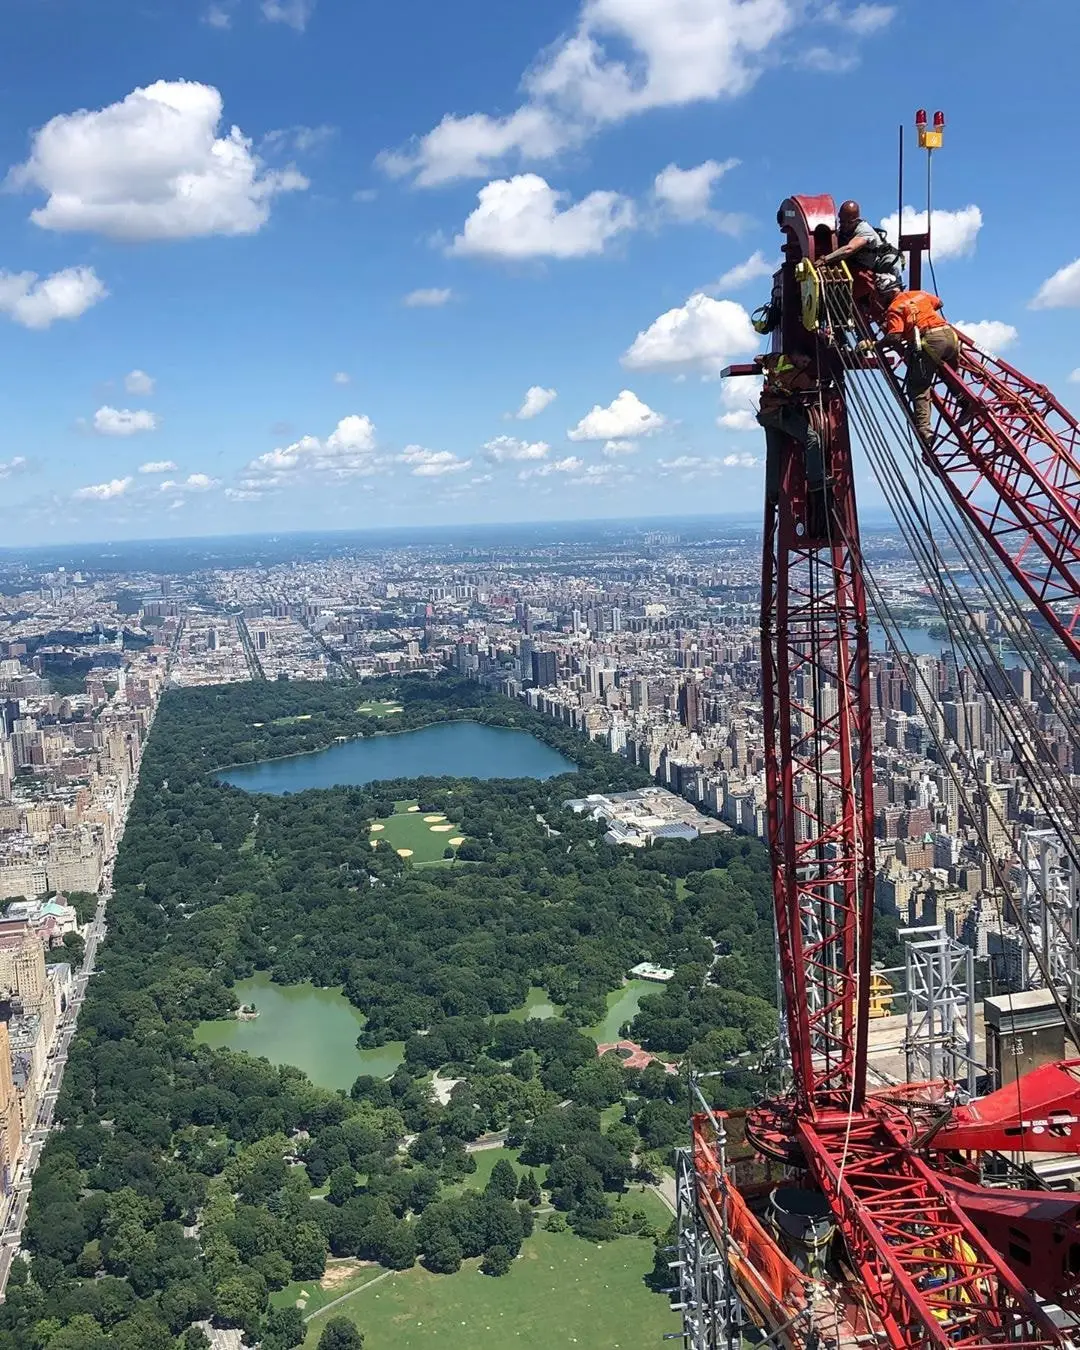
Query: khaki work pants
[[940, 346]]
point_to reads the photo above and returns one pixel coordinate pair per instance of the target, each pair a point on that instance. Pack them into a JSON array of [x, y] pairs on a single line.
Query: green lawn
[[486, 1158], [410, 830], [560, 1292], [380, 708], [312, 1296]]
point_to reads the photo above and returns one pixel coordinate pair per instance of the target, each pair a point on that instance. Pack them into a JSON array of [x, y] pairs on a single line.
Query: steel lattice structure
[[1014, 471], [933, 1267]]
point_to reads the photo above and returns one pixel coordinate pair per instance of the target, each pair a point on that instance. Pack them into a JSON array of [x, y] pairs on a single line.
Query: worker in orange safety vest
[[914, 324]]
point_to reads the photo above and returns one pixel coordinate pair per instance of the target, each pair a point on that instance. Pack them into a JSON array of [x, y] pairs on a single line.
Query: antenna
[[931, 138]]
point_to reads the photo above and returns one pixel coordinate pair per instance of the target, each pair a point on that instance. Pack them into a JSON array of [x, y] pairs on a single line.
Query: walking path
[[351, 1294]]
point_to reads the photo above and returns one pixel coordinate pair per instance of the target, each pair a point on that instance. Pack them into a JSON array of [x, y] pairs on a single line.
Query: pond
[[623, 1005], [314, 1029], [447, 749], [537, 1004]]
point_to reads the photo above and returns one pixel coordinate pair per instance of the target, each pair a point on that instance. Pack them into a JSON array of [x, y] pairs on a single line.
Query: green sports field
[[562, 1291], [410, 830], [379, 708]]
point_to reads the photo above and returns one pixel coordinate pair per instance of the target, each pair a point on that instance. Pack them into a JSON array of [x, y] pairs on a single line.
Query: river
[[314, 1029], [446, 749]]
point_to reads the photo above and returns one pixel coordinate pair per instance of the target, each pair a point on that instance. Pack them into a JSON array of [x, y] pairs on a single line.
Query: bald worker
[[866, 250]]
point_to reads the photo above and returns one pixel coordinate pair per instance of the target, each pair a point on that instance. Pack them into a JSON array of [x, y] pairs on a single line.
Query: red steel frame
[[930, 1275], [1013, 469], [819, 774]]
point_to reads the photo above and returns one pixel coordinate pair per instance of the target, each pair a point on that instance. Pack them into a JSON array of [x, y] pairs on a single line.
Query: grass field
[[341, 1277], [411, 830], [379, 708], [561, 1292]]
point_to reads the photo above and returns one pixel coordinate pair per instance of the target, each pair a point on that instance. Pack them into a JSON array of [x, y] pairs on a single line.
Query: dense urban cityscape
[[646, 645]]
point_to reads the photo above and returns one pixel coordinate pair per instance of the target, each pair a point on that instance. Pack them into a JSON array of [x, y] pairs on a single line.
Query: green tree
[[81, 1333], [195, 1339], [340, 1334], [529, 1188], [503, 1180], [497, 1261], [284, 1329]]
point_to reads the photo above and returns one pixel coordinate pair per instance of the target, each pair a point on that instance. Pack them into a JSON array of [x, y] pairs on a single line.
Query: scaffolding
[[1050, 911], [940, 985]]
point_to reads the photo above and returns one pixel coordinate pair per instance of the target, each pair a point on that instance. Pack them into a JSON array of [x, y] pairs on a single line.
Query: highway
[[11, 1234]]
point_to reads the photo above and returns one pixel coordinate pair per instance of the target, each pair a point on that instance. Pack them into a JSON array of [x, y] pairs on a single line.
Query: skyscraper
[[545, 669]]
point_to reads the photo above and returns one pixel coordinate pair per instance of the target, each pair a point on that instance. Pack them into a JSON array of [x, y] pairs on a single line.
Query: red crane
[[926, 1257]]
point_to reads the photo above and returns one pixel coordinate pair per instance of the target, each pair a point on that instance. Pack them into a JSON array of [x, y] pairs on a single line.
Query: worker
[[784, 412], [914, 324], [878, 264]]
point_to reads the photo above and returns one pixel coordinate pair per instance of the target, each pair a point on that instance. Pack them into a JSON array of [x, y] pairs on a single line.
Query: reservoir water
[[313, 1029], [447, 749]]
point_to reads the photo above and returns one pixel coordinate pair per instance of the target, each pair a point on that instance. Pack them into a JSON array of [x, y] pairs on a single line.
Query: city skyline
[[492, 279]]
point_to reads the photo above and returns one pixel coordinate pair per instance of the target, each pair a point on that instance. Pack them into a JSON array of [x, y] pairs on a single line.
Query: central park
[[414, 1136]]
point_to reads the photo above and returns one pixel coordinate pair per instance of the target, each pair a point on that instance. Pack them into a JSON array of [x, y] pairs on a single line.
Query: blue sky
[[331, 316]]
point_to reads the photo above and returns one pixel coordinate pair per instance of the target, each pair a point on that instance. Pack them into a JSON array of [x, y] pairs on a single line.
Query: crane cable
[[907, 514], [1007, 712], [941, 582]]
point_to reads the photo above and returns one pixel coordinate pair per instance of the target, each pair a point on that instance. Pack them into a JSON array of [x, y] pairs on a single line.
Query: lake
[[447, 749], [314, 1029], [623, 1005]]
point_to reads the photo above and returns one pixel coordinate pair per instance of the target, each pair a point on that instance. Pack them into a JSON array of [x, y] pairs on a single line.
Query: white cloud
[[571, 464], [432, 463], [863, 20], [601, 475], [194, 482], [299, 140], [295, 13], [991, 334], [741, 420], [13, 466], [217, 17], [342, 377], [701, 335], [151, 167], [754, 268], [689, 467], [952, 233], [36, 303], [504, 448], [243, 494], [348, 452], [742, 462], [138, 382], [1062, 290], [123, 421], [613, 448], [431, 298], [522, 218], [622, 419], [1074, 377], [739, 404], [158, 466], [536, 400], [686, 194], [103, 492], [624, 57], [470, 147]]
